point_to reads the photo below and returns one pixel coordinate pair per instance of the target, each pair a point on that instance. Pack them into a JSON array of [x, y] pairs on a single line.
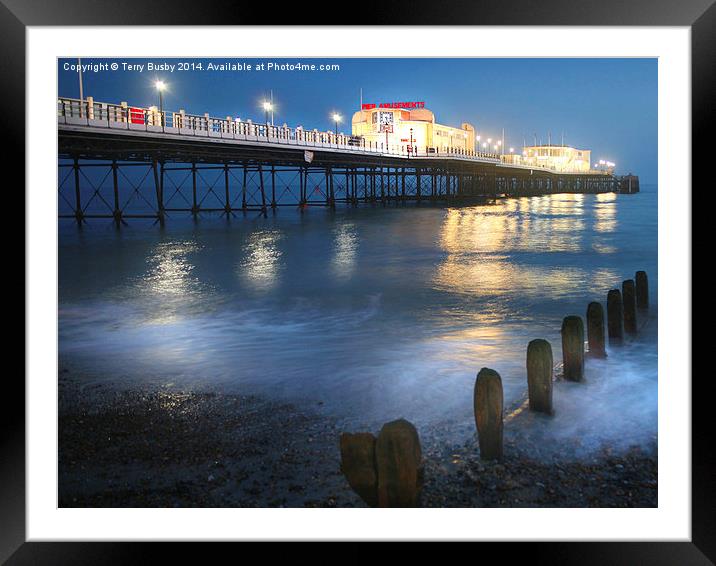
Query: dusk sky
[[606, 105]]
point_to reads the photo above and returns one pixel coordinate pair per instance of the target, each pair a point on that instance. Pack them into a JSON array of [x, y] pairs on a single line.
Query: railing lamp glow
[[160, 86], [337, 118], [512, 150]]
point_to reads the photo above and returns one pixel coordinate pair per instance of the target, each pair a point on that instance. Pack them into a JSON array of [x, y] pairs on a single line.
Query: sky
[[606, 105]]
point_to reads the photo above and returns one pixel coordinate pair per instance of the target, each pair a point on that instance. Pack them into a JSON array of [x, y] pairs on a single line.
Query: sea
[[370, 313]]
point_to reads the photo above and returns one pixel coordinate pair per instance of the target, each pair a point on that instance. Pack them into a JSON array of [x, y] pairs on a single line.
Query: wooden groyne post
[[615, 317], [573, 347], [595, 330], [540, 366], [642, 290], [488, 405], [387, 471], [629, 300], [358, 465], [399, 465]]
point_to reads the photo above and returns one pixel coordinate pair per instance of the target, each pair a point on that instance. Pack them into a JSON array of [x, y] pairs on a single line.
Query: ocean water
[[370, 313]]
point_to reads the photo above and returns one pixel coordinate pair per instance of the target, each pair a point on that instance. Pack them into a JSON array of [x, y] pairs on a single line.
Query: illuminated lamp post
[[267, 108], [160, 86], [337, 118], [411, 142]]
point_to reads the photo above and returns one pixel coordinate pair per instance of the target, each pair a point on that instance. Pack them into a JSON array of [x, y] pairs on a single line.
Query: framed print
[[424, 277]]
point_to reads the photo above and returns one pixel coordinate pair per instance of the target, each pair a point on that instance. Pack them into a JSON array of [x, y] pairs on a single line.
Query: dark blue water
[[375, 313]]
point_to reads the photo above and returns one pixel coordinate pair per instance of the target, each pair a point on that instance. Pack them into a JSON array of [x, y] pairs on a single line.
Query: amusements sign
[[369, 106]]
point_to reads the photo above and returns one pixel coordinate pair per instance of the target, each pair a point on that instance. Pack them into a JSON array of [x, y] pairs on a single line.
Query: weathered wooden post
[[399, 465], [539, 375], [595, 330], [573, 347], [488, 404], [629, 300], [359, 466], [615, 317], [642, 290]]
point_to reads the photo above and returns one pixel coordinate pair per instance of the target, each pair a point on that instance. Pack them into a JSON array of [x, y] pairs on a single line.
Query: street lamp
[[160, 86], [411, 141], [267, 108], [337, 118]]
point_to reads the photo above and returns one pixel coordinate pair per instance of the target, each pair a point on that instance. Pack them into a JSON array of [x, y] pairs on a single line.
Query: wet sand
[[168, 448]]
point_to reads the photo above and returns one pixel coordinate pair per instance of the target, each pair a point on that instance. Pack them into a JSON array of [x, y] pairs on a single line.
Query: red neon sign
[[418, 104]]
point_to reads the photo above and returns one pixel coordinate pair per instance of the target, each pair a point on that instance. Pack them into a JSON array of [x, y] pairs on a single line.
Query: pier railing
[[72, 111]]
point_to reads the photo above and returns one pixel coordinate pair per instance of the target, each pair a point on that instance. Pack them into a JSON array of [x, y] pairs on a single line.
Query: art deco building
[[396, 128]]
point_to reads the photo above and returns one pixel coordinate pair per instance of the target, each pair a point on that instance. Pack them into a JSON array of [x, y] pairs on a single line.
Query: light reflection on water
[[377, 313], [168, 282], [261, 265], [346, 249]]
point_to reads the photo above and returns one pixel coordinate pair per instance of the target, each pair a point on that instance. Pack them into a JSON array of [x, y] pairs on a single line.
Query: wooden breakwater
[[388, 471]]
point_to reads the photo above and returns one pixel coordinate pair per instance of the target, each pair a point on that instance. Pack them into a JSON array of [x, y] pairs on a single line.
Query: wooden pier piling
[[488, 405], [595, 330], [573, 347], [539, 375]]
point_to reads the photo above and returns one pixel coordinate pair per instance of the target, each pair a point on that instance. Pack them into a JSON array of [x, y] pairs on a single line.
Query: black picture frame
[[16, 15]]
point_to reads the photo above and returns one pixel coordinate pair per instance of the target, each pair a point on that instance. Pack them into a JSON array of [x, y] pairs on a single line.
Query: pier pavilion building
[[560, 158], [398, 125]]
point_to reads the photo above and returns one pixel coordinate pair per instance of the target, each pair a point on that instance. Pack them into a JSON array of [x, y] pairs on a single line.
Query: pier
[[198, 163]]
